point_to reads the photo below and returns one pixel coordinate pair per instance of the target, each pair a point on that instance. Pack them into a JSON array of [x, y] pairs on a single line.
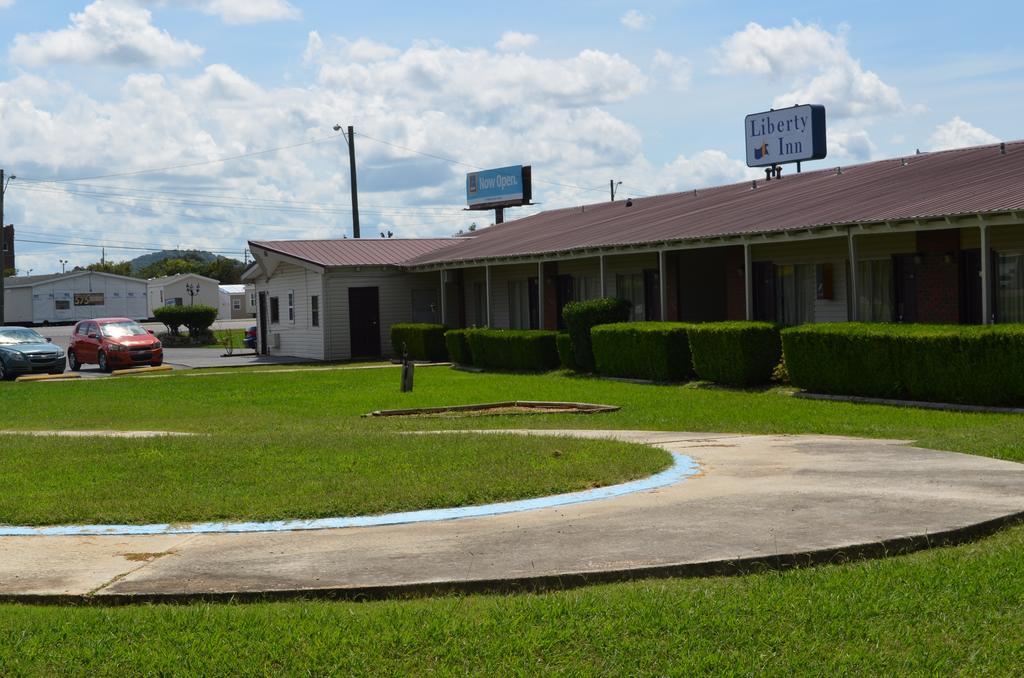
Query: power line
[[120, 247], [200, 163]]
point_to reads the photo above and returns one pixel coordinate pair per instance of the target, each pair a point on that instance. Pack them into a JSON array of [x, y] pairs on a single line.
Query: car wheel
[[73, 362], [104, 367], [157, 364]]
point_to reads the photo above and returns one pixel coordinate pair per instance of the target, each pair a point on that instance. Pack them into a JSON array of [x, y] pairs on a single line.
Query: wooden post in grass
[[407, 370]]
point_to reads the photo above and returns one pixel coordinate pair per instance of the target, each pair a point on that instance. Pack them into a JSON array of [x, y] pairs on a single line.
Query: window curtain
[[1010, 289], [874, 296]]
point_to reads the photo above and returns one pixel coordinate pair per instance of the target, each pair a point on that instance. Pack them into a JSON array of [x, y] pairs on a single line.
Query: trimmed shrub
[[735, 353], [457, 343], [196, 320], [643, 350], [566, 356], [424, 341], [520, 350], [941, 363], [581, 316]]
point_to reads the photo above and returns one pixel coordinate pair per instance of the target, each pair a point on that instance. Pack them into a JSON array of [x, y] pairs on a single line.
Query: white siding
[[394, 289], [831, 251], [469, 277], [18, 305], [298, 337], [121, 297], [208, 292]]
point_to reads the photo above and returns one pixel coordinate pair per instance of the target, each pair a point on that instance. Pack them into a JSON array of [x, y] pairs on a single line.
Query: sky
[[137, 125]]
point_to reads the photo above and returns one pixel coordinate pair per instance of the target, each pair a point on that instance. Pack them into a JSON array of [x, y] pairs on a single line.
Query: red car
[[112, 343]]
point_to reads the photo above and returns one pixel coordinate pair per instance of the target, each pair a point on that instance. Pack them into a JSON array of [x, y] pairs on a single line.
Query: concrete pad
[[773, 500]]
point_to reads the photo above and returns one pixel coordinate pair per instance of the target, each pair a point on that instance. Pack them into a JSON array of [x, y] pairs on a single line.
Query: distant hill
[[141, 262]]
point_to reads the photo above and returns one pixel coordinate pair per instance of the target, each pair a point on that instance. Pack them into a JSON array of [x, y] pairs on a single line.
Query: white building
[[174, 290], [236, 302], [337, 299], [68, 297]]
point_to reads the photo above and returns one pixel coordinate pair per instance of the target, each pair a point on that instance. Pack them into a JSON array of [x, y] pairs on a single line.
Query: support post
[[3, 239], [352, 181], [662, 287], [499, 215], [748, 282], [444, 289], [851, 242], [540, 295], [604, 292], [487, 277], [986, 276]]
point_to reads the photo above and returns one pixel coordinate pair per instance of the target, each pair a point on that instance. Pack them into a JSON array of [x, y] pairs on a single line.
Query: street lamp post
[[63, 263], [192, 290], [3, 258], [350, 140]]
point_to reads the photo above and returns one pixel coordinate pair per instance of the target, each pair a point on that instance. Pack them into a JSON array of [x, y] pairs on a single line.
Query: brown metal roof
[[948, 183], [355, 252]]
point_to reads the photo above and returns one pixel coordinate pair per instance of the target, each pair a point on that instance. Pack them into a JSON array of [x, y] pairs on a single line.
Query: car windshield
[[126, 329], [20, 336]]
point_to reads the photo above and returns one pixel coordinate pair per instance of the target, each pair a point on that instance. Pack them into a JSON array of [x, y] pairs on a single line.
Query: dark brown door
[[763, 273], [904, 277], [652, 295], [970, 287], [261, 321], [364, 321]]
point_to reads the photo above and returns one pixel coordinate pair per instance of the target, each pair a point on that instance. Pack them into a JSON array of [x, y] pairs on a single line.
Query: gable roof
[[232, 289], [355, 251], [966, 181], [30, 280], [169, 279]]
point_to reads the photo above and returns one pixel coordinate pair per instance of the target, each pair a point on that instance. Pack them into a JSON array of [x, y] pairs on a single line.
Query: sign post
[[785, 135], [496, 189]]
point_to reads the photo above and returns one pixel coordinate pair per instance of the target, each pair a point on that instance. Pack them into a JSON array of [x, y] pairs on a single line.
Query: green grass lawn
[[278, 475], [951, 610]]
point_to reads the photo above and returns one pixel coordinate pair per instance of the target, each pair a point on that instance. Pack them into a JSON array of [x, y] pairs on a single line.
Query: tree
[[119, 268], [224, 269]]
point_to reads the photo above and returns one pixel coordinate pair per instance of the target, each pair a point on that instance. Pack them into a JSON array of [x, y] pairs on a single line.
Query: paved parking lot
[[181, 358]]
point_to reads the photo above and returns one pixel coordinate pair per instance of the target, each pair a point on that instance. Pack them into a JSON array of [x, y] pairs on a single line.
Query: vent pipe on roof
[[1002, 148], [903, 162], [753, 184], [629, 202], [839, 170]]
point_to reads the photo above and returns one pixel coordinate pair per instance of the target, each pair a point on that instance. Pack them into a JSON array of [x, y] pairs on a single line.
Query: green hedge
[[457, 343], [566, 356], [197, 319], [581, 316], [424, 341], [520, 350], [735, 353], [643, 350], [942, 363]]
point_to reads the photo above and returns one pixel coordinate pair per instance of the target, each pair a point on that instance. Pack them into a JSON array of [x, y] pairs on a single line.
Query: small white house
[[184, 289], [68, 297], [236, 302], [337, 299]]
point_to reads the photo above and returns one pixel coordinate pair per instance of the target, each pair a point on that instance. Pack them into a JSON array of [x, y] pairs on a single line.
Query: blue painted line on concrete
[[682, 468]]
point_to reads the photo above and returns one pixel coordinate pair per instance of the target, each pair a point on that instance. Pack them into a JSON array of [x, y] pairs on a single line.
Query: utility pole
[[612, 185], [351, 141], [3, 258]]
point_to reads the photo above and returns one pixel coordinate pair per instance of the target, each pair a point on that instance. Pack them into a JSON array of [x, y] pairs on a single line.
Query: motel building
[[927, 238]]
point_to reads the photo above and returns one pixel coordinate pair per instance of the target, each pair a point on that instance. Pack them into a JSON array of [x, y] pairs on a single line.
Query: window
[[874, 290], [252, 300], [291, 306], [587, 288], [424, 306], [314, 310], [274, 311], [236, 304], [796, 292], [1010, 288], [62, 305], [519, 305], [631, 288]]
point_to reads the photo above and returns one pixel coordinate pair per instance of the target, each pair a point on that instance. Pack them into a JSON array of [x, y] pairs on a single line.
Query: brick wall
[[938, 276]]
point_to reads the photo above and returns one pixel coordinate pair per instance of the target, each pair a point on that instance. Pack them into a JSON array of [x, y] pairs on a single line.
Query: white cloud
[[238, 11], [343, 51], [514, 41], [850, 145], [678, 69], [817, 63], [636, 21], [105, 32], [6, 3], [958, 133]]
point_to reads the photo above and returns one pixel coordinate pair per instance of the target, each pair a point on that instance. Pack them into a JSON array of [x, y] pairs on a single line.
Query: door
[[564, 293], [904, 278], [970, 287], [364, 321], [763, 274], [261, 320], [652, 294]]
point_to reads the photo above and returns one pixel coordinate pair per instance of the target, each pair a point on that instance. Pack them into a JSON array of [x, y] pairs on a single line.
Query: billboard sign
[[88, 298], [785, 135], [501, 187]]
